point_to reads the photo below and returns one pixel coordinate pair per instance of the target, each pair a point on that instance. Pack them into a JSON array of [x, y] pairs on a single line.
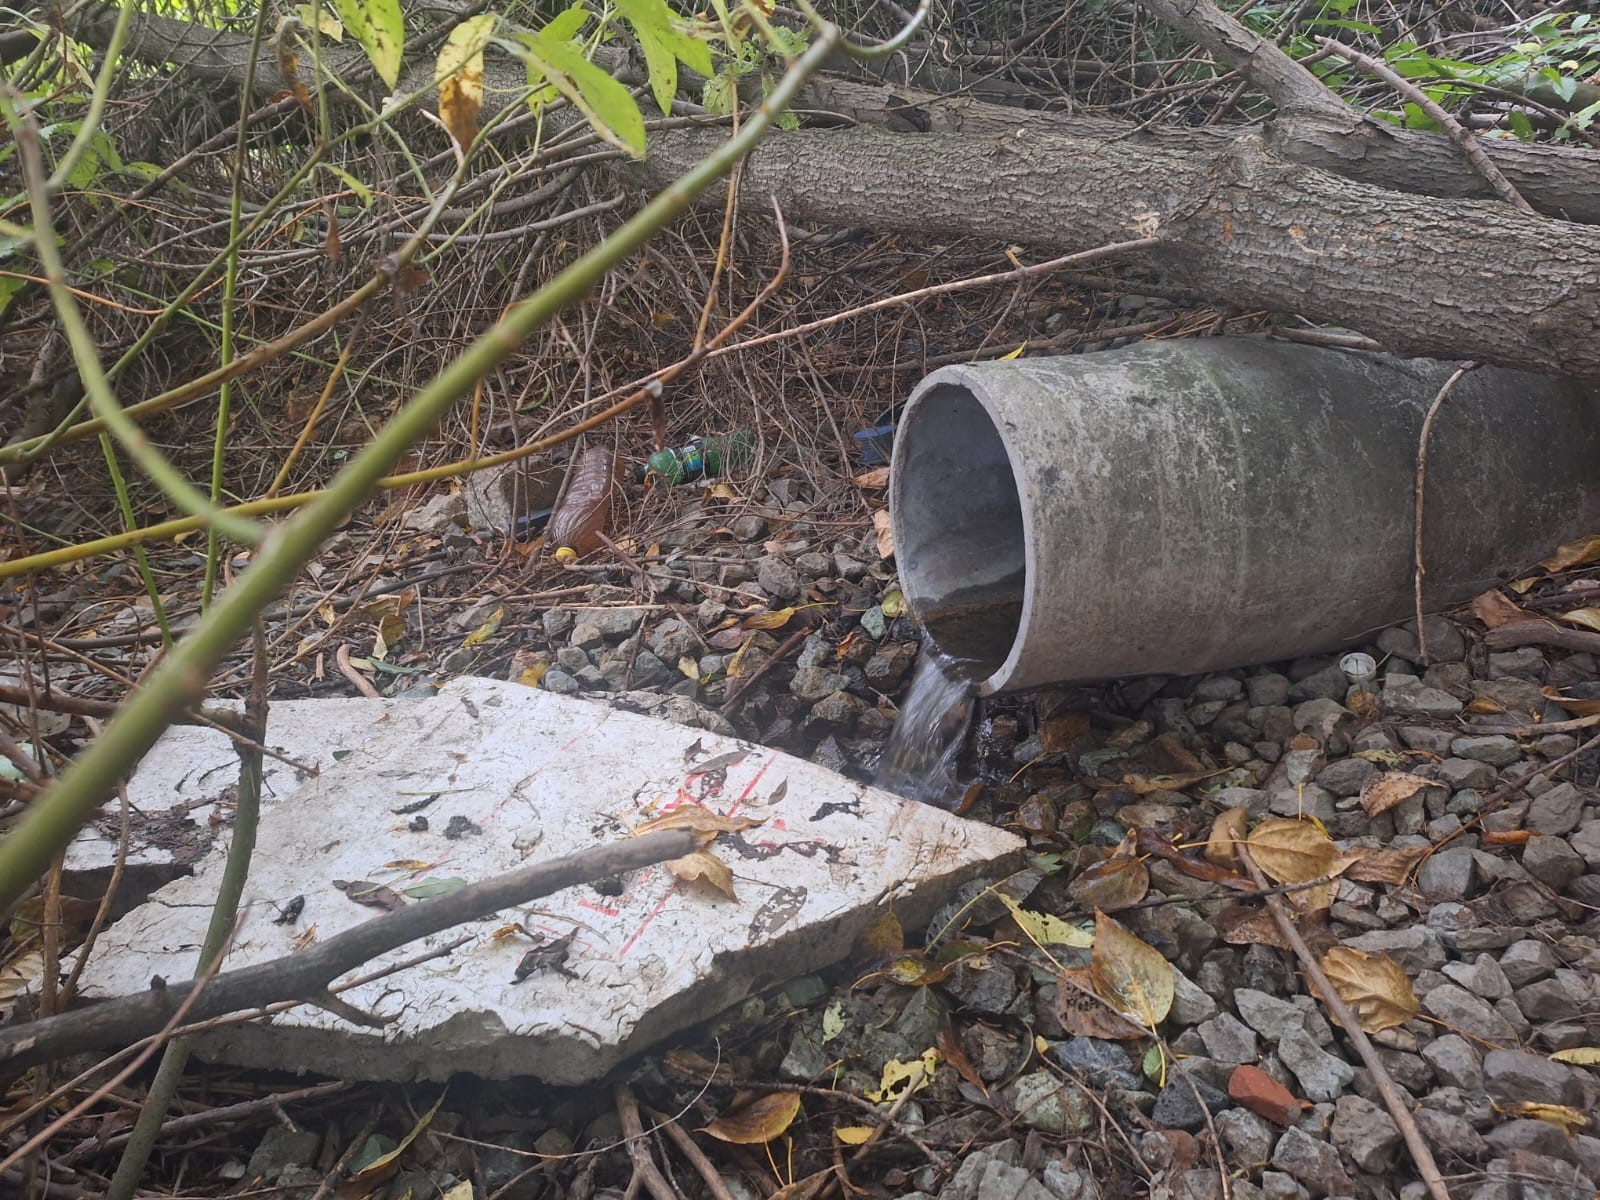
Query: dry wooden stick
[[691, 1150], [1392, 1100], [645, 1171], [1542, 633], [1468, 142]]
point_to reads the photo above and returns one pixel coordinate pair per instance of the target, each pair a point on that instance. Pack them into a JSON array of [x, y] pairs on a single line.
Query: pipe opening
[[961, 543]]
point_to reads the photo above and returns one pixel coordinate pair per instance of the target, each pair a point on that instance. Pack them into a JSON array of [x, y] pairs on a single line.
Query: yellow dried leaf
[[703, 868], [853, 1135], [1568, 1120], [381, 1168], [722, 490], [916, 969], [1044, 930], [460, 73], [1014, 354], [894, 604], [873, 480], [1589, 618], [1373, 985], [775, 619], [885, 531], [1574, 554], [1383, 758], [21, 973], [533, 674], [1392, 787], [1230, 826], [899, 1077], [752, 1118], [1130, 975], [1578, 1056], [689, 667], [487, 630], [1291, 851], [735, 667]]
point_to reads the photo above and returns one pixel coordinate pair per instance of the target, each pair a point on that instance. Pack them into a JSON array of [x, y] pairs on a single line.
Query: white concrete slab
[[523, 775]]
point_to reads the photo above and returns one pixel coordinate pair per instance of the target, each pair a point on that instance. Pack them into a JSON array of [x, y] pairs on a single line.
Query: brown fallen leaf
[[1245, 925], [373, 895], [1392, 787], [1505, 837], [1129, 974], [1589, 618], [885, 532], [1494, 608], [882, 939], [874, 480], [1574, 554], [1112, 885], [952, 1051], [1151, 842], [697, 818], [753, 1118], [1392, 865], [1578, 706], [704, 869], [1292, 851], [1082, 1013], [1373, 985]]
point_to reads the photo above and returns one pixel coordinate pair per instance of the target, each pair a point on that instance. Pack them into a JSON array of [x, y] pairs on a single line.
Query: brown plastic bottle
[[585, 509]]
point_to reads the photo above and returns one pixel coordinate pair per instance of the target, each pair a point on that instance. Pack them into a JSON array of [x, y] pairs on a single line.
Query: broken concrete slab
[[488, 776]]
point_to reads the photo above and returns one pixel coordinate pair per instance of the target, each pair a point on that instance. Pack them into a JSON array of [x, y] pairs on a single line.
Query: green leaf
[[1520, 124], [362, 191], [661, 65], [380, 27], [717, 95], [567, 23], [431, 887], [608, 106]]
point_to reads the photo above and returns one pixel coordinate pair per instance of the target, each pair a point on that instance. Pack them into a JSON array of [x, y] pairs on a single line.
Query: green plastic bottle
[[705, 457]]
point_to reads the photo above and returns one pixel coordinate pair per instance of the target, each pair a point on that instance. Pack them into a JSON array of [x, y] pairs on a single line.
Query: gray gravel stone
[[1526, 1133], [1558, 810], [557, 621], [1101, 1063], [1191, 1005], [674, 640], [1586, 841], [558, 681], [1267, 690], [1321, 1075], [777, 578], [1450, 874], [1266, 1014], [1455, 1061], [1513, 1075], [1445, 643], [1450, 1135], [1315, 1164], [1046, 1103], [1482, 977], [1415, 700], [748, 528], [1525, 662], [1497, 750], [1246, 1137], [1527, 960], [813, 683], [1228, 1039], [1347, 776], [1457, 773], [1459, 1009], [1427, 739], [1177, 1106], [1548, 1001], [1416, 947], [1552, 861], [1365, 1134], [1275, 1185]]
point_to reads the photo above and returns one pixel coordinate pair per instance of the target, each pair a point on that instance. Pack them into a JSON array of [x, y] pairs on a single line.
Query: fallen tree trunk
[[1448, 278]]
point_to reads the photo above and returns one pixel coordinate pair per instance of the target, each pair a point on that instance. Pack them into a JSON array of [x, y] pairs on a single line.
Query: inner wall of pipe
[[961, 546]]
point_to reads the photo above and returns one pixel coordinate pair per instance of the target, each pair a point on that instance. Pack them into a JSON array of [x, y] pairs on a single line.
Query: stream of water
[[918, 759]]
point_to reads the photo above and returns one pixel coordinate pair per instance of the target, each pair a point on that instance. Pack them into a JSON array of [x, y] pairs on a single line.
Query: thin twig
[[1421, 483], [645, 1171]]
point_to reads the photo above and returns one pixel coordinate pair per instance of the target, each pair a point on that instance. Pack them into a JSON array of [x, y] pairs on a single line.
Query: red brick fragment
[[1263, 1095]]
